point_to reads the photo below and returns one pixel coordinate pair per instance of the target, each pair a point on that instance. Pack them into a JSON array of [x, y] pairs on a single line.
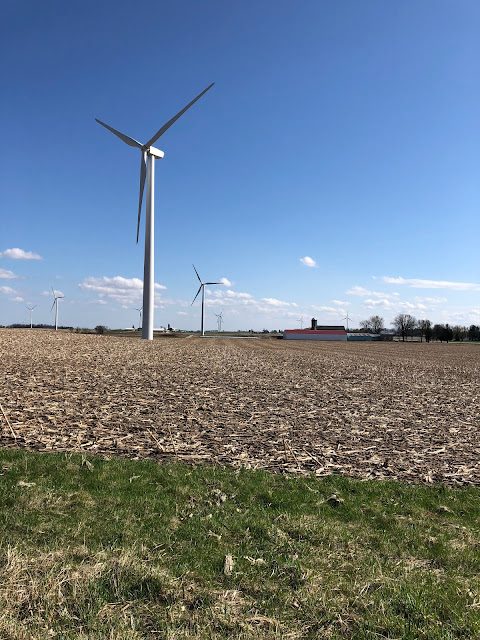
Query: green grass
[[122, 549]]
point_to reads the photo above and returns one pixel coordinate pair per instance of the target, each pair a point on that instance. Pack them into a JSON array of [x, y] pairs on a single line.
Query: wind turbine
[[202, 289], [347, 319], [219, 319], [140, 312], [31, 309], [55, 304], [301, 322], [149, 171]]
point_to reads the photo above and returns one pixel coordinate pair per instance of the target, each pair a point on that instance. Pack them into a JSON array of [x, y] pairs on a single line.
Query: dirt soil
[[383, 410]]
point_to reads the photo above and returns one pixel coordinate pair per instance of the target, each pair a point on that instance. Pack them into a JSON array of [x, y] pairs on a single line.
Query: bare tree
[[425, 329], [374, 324], [404, 323], [459, 333]]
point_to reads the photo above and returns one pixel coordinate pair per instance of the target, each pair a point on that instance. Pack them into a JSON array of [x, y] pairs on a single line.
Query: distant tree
[[448, 334], [442, 332], [425, 329], [473, 332], [373, 324], [459, 333], [404, 323], [437, 332], [100, 328], [428, 331]]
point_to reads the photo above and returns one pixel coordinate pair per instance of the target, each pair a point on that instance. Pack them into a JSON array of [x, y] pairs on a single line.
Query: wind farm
[[285, 443]]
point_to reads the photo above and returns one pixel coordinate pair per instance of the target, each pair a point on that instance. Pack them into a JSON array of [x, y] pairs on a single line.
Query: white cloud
[[17, 299], [235, 294], [159, 286], [20, 254], [308, 262], [394, 305], [361, 291], [125, 291], [340, 303], [431, 300], [182, 313], [5, 273], [50, 293], [97, 302], [7, 290], [277, 303], [433, 284], [325, 309], [226, 282]]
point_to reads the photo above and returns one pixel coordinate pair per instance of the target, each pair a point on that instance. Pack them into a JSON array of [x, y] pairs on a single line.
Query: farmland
[[368, 410]]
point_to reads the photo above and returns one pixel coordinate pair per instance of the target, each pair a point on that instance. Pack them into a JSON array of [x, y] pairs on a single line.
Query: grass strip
[[123, 549]]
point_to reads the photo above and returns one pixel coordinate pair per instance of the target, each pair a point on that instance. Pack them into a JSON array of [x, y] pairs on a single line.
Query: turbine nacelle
[[156, 153]]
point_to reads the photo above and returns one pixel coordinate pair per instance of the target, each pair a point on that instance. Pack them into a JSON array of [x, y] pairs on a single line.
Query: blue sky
[[343, 132]]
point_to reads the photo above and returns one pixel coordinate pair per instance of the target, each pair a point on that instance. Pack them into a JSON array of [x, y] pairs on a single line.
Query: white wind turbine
[[140, 312], [219, 319], [31, 309], [202, 289], [301, 322], [149, 172], [56, 298]]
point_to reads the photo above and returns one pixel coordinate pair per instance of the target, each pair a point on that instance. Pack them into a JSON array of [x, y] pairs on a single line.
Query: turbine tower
[[140, 312], [202, 289], [55, 304], [347, 319], [301, 322], [148, 171], [31, 309], [219, 320]]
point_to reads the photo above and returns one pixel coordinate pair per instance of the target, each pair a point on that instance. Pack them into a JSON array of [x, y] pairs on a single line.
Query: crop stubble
[[384, 410]]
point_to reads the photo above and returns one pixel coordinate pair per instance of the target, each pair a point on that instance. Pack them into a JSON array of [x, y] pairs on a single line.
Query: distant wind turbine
[[347, 319], [202, 289], [140, 312], [55, 304], [301, 322], [149, 172], [219, 319], [31, 309]]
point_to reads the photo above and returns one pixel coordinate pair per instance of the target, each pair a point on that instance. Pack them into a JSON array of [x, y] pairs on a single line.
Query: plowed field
[[386, 410]]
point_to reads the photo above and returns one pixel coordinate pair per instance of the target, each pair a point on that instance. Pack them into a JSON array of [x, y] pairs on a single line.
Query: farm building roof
[[324, 327]]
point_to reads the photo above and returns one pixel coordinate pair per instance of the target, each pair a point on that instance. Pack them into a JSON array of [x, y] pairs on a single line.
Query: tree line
[[406, 325]]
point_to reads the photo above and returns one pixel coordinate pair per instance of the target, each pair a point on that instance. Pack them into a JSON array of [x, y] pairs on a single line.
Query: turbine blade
[[53, 304], [199, 279], [213, 282], [143, 173], [130, 141], [166, 126], [199, 289]]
